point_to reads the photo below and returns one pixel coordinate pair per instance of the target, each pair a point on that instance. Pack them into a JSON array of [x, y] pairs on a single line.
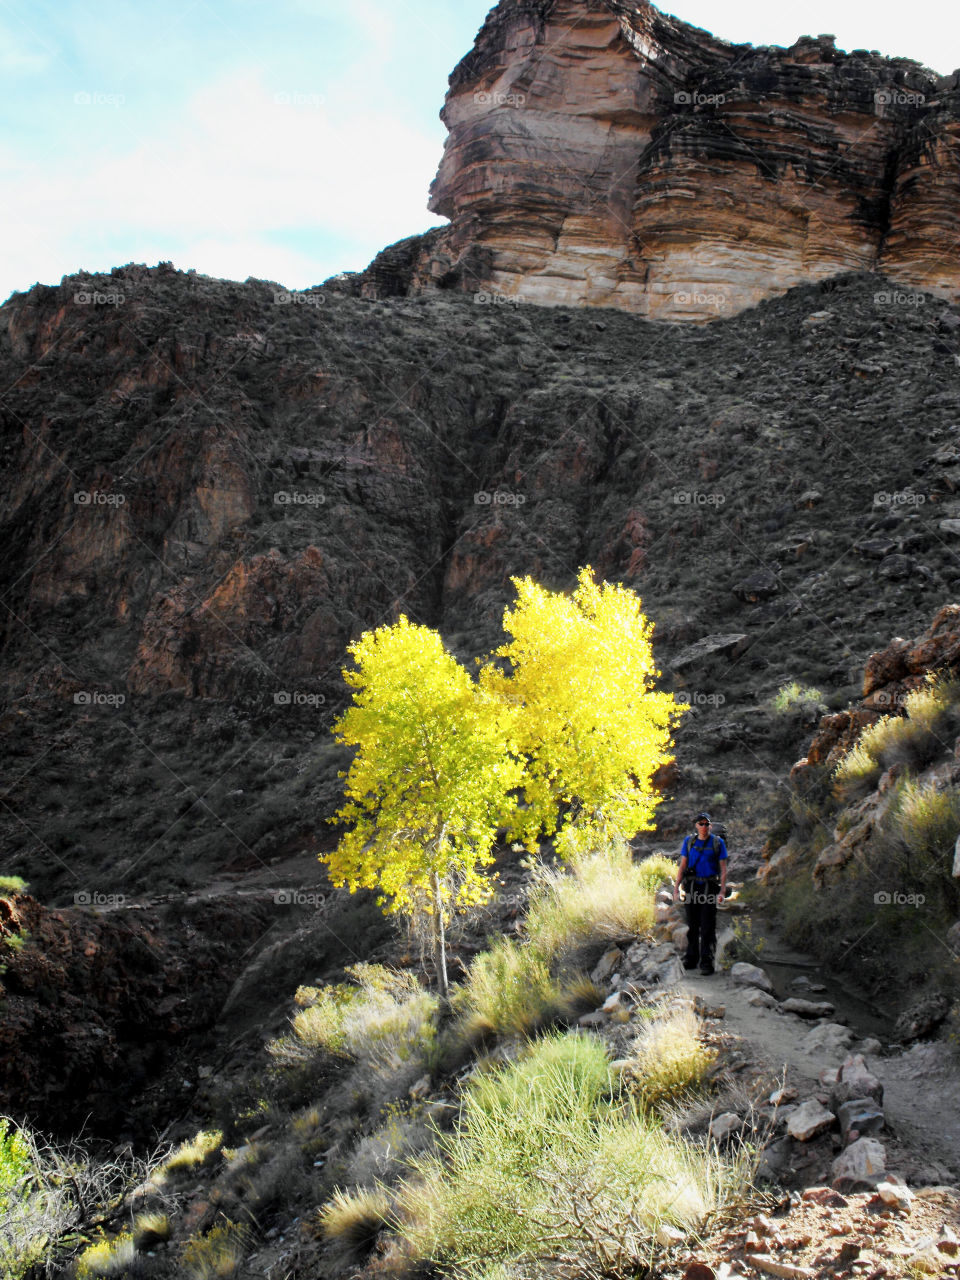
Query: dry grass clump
[[199, 1153], [355, 1218], [595, 896], [218, 1255], [383, 1019], [110, 1257], [914, 739], [668, 1059], [509, 991]]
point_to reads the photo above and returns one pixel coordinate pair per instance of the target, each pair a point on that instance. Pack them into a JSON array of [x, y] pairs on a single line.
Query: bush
[[667, 1059], [217, 1255], [795, 696], [111, 1257], [385, 1020], [548, 1162], [595, 897], [922, 824], [914, 740], [509, 990], [12, 884]]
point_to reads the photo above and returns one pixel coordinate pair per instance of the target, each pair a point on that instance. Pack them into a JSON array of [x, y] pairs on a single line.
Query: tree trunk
[[439, 943]]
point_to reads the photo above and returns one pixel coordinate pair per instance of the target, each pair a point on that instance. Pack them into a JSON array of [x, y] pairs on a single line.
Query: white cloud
[[14, 58], [236, 170]]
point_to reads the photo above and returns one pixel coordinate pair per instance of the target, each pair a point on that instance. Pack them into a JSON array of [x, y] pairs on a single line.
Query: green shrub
[[509, 990], [921, 825], [12, 884], [546, 1153], [794, 695]]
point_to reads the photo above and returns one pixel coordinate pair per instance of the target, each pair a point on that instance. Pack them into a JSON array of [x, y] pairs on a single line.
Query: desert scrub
[[199, 1153], [112, 1257], [509, 990], [794, 696], [595, 896], [921, 826], [545, 1152], [216, 1255], [668, 1059], [914, 739], [384, 1019]]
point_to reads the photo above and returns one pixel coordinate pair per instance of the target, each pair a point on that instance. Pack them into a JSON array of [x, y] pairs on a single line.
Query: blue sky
[[285, 139]]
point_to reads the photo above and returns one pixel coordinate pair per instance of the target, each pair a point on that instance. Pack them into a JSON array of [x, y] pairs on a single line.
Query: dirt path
[[921, 1084]]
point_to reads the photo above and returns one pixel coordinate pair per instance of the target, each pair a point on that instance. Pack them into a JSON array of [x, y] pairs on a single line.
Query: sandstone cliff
[[602, 153]]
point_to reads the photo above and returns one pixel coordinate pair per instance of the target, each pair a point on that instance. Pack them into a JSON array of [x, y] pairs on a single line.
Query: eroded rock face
[[602, 153]]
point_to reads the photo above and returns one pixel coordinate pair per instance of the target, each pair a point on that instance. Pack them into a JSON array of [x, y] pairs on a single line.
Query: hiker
[[703, 873]]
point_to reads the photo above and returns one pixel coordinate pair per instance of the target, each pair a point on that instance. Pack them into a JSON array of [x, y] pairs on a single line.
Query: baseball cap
[[703, 817]]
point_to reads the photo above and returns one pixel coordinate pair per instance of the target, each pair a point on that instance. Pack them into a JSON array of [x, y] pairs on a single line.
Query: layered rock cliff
[[602, 153]]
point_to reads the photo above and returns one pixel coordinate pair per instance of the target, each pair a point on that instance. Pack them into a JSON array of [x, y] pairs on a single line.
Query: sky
[[282, 139]]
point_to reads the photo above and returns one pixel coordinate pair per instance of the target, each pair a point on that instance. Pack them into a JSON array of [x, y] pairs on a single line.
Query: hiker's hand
[[676, 892], [720, 896]]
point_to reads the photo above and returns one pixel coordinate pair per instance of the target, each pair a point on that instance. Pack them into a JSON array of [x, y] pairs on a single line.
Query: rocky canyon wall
[[602, 153]]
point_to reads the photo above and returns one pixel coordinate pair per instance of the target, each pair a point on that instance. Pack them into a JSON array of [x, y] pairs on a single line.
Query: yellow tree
[[593, 730], [431, 781]]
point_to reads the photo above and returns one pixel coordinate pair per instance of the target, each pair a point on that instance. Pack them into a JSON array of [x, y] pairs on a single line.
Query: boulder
[[924, 1016], [810, 1119], [808, 1008], [829, 1037], [750, 975], [860, 1166], [724, 1126], [606, 965], [894, 1191], [757, 586], [717, 646], [761, 999], [859, 1116], [855, 1080]]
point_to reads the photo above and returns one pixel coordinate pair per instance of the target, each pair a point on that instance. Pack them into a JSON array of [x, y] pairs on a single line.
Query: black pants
[[701, 907]]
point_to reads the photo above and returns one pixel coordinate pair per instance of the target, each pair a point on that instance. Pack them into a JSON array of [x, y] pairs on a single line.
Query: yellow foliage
[[431, 782], [592, 729]]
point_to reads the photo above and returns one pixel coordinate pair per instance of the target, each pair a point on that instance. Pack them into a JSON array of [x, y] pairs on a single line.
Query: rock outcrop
[[601, 153]]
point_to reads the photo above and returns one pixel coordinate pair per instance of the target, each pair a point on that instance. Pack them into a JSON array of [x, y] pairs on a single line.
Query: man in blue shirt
[[703, 872]]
